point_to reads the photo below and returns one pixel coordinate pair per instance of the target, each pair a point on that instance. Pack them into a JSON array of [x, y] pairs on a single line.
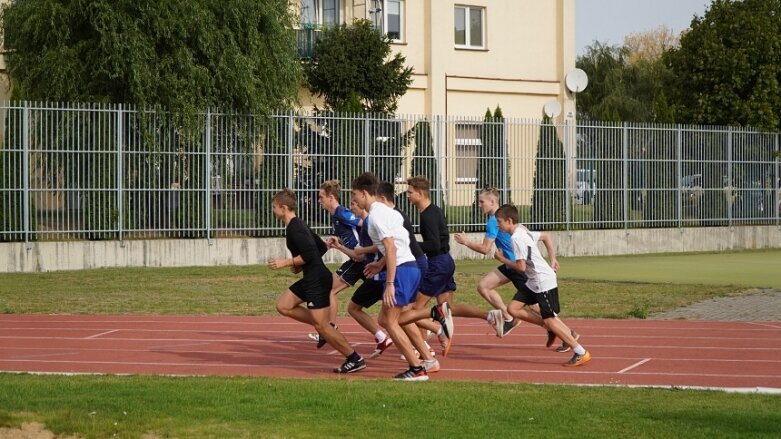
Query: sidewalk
[[757, 305]]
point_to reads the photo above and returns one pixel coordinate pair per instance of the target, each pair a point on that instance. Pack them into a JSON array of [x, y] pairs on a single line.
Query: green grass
[[607, 287], [252, 290], [129, 407]]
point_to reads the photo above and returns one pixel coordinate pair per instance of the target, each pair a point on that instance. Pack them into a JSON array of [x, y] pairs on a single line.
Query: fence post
[[290, 149], [777, 186], [366, 142], [625, 154], [505, 161], [440, 158], [569, 156], [729, 173], [26, 175], [678, 170], [120, 176], [208, 171]]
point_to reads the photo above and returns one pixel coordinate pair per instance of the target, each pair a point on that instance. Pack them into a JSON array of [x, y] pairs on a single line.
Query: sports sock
[[579, 350], [439, 331], [353, 357], [509, 321], [380, 336]]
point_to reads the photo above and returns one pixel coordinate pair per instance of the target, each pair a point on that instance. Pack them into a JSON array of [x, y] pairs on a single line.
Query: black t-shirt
[[302, 241], [433, 229]]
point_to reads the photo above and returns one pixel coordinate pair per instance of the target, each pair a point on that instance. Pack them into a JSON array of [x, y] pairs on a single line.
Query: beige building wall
[[527, 48]]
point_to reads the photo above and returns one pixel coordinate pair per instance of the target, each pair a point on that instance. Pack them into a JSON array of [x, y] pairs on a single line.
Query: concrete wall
[[78, 255]]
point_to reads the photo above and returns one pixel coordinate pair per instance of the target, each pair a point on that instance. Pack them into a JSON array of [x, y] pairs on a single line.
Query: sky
[[608, 21]]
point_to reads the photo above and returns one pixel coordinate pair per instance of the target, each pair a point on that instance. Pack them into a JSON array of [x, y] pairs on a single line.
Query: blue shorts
[[439, 277], [405, 283]]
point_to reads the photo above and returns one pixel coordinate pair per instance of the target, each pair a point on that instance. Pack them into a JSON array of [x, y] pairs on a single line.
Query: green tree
[[623, 85], [728, 66], [184, 56], [548, 208], [355, 61]]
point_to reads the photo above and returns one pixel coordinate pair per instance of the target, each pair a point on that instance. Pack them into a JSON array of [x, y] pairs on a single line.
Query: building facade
[[471, 55]]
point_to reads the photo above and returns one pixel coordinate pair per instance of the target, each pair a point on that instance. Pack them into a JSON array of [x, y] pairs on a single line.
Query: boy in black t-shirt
[[314, 287]]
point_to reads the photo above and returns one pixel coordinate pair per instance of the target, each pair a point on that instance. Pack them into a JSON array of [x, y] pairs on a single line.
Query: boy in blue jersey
[[501, 320], [345, 225]]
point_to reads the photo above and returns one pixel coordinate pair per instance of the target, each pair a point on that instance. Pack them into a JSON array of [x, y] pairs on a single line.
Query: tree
[[548, 201], [625, 83], [184, 56], [354, 61], [728, 67]]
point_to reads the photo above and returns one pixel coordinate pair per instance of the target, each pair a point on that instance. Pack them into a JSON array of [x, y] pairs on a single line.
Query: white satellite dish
[[552, 108], [576, 80]]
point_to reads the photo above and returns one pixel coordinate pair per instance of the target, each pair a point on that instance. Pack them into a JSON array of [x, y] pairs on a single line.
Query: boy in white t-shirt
[[542, 280]]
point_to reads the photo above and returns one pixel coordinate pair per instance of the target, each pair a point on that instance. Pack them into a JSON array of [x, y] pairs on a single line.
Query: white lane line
[[101, 334], [765, 325], [639, 363]]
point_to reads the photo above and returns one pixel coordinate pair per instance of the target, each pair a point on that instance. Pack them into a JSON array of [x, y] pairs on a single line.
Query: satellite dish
[[552, 108], [576, 80]]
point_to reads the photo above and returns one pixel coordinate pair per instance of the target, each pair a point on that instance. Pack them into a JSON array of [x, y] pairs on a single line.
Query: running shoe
[[578, 360], [496, 320], [444, 342], [413, 374], [385, 344], [509, 326], [442, 314], [431, 366], [566, 347], [351, 366]]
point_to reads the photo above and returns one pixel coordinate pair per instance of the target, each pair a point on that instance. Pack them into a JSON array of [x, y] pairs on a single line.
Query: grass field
[[611, 287]]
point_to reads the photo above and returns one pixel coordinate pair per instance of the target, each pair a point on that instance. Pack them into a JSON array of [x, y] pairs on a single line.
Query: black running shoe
[[321, 340], [413, 374], [551, 339], [351, 366]]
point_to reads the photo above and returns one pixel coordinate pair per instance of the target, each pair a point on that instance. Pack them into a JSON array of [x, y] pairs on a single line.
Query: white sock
[[579, 350], [379, 336], [510, 320], [439, 331]]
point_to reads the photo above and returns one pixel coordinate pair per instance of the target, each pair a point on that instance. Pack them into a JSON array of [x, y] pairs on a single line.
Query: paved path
[[757, 305]]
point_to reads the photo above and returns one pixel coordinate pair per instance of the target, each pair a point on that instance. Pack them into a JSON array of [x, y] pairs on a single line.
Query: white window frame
[[468, 29], [461, 145], [383, 13], [319, 13]]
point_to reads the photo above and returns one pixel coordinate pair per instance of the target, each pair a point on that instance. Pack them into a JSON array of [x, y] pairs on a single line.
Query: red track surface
[[625, 352]]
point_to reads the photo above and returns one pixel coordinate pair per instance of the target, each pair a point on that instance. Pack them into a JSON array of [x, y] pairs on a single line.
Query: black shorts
[[314, 288], [516, 277], [548, 301], [350, 272], [368, 293]]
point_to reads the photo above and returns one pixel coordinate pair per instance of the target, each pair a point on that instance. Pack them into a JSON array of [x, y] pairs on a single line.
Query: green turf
[[610, 287], [748, 268], [131, 407]]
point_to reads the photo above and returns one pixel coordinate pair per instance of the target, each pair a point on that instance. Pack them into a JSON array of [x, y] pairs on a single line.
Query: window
[[469, 27], [388, 17], [468, 147], [320, 12]]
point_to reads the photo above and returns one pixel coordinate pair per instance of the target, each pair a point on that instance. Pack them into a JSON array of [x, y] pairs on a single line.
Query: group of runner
[[405, 274]]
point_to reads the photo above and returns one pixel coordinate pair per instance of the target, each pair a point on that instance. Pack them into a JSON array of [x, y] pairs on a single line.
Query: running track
[[741, 356]]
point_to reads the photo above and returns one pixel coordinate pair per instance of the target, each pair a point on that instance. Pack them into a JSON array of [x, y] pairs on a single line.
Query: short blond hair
[[333, 188]]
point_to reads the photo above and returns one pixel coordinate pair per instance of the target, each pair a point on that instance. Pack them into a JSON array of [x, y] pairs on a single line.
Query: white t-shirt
[[385, 222], [541, 276]]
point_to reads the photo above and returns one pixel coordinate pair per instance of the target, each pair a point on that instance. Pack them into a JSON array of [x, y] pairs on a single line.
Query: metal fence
[[75, 172]]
